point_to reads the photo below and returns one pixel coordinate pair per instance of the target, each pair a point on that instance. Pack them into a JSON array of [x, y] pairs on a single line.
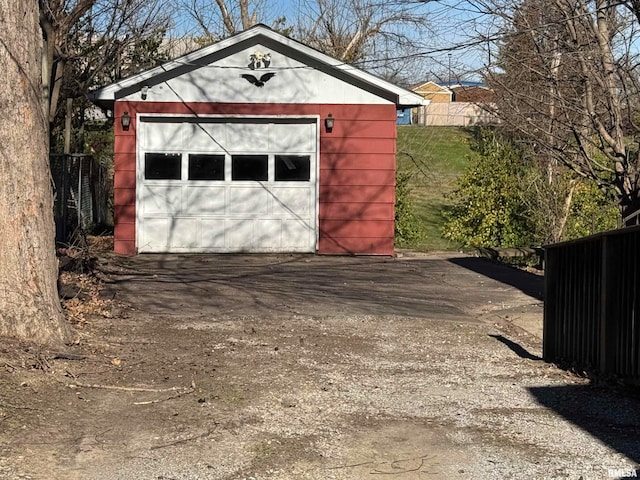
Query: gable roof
[[431, 87], [105, 96]]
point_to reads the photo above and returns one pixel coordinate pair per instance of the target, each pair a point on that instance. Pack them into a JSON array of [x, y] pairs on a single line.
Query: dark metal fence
[[592, 303], [82, 189]]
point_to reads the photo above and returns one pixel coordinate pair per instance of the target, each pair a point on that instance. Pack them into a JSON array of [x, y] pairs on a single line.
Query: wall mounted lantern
[[125, 121], [329, 122]]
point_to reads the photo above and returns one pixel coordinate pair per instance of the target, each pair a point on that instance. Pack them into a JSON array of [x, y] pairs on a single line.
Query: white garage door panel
[[292, 137], [215, 213], [294, 234], [162, 199], [254, 200], [183, 233], [206, 137], [155, 235], [291, 201], [212, 235], [243, 137], [163, 136], [205, 200], [267, 233], [239, 234]]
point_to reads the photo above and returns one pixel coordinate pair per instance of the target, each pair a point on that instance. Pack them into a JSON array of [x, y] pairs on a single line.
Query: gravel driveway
[[305, 367]]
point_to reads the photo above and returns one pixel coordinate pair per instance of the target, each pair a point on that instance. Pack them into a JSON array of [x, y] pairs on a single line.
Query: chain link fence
[[82, 196]]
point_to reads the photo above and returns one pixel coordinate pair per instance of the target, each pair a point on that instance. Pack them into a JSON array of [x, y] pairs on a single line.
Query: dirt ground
[[306, 367]]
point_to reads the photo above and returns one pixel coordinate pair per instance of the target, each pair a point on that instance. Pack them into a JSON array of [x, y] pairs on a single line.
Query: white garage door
[[226, 185]]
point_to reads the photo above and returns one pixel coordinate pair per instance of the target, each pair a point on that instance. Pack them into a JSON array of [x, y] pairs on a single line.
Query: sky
[[432, 56]]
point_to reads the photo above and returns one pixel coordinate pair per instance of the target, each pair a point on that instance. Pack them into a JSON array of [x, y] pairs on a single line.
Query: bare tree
[[358, 30], [217, 19], [29, 304], [566, 82], [90, 42], [349, 30]]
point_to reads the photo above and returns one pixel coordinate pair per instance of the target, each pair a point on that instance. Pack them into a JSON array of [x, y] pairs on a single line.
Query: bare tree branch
[[567, 82], [87, 40]]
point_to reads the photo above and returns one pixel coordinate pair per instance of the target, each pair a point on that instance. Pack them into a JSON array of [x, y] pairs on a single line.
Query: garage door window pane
[[250, 167], [162, 166], [206, 167], [293, 168]]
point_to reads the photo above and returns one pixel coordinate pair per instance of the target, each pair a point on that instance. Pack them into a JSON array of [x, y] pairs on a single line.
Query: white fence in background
[[454, 114]]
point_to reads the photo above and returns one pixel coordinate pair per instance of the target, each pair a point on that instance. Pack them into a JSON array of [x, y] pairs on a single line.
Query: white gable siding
[[294, 82]]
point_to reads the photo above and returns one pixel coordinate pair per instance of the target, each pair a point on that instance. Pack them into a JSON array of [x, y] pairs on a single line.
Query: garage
[[257, 143], [227, 185]]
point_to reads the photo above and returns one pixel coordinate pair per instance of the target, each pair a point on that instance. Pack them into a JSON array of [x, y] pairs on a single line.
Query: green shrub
[[488, 205], [509, 197], [592, 211], [408, 229]]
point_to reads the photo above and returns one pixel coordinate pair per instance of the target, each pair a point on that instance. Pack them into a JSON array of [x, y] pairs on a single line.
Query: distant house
[[472, 94], [453, 104], [433, 92]]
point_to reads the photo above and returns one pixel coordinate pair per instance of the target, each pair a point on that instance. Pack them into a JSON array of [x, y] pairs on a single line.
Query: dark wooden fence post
[[550, 318], [604, 311]]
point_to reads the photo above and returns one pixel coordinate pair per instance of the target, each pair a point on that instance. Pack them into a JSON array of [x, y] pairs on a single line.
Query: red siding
[[357, 228], [356, 211], [124, 179], [356, 194], [124, 196], [126, 143], [125, 231], [125, 213], [357, 171], [372, 246], [357, 177], [125, 162], [124, 192], [358, 161], [357, 182], [357, 145], [356, 128], [124, 247]]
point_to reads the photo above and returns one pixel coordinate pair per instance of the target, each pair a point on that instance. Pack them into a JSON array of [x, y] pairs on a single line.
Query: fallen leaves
[[87, 301]]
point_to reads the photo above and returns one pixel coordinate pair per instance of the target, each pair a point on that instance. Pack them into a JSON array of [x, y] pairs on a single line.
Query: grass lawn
[[436, 157]]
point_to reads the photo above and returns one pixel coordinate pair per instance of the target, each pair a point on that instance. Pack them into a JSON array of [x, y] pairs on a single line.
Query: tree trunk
[[29, 304], [563, 215]]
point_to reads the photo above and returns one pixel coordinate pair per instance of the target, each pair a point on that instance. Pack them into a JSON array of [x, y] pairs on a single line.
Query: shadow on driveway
[[528, 283], [309, 284], [611, 417], [516, 348]]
